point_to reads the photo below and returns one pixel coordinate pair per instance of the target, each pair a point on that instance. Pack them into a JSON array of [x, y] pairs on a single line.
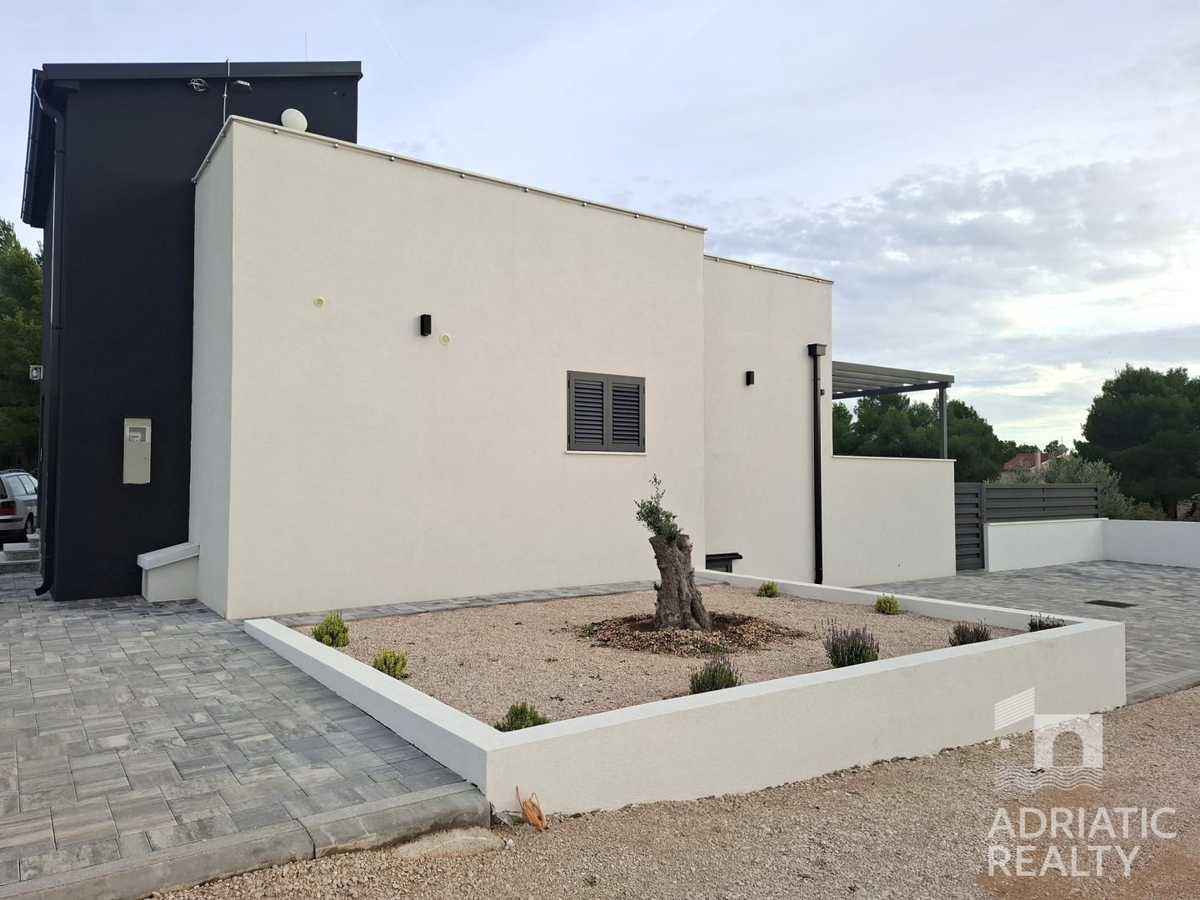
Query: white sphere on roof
[[294, 119]]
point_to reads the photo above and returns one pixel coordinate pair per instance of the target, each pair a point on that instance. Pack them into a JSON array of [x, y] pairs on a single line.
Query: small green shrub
[[587, 630], [887, 605], [521, 715], [1145, 512], [850, 646], [969, 633], [1039, 622], [389, 662], [716, 675], [332, 631], [767, 589]]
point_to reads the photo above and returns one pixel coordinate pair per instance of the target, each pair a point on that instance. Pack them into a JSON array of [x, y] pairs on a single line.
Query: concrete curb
[[360, 827], [397, 819]]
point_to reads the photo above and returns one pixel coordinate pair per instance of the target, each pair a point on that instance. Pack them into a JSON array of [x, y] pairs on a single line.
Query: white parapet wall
[[1159, 543], [1054, 542], [754, 736], [888, 519]]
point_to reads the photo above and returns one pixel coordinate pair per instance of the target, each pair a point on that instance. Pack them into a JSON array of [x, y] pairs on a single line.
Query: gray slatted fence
[[977, 504]]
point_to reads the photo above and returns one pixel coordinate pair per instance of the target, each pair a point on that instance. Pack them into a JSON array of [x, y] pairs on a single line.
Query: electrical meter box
[[137, 451]]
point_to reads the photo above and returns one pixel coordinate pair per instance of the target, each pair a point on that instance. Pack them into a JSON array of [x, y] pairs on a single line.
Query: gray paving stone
[[140, 742], [73, 857], [1162, 627], [140, 811], [196, 830], [83, 822]]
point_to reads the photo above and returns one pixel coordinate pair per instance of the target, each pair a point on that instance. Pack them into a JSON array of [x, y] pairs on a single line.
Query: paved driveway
[[1162, 622], [130, 731]]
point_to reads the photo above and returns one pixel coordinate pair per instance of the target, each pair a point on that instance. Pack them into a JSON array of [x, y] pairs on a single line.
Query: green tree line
[[1141, 440], [20, 347]]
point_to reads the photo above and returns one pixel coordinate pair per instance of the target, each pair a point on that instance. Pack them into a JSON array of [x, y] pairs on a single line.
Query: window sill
[[604, 453]]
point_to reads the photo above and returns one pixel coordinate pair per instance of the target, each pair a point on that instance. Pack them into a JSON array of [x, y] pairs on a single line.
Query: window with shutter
[[606, 412]]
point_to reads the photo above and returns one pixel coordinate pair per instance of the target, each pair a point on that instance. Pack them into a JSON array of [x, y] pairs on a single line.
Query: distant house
[[1035, 460]]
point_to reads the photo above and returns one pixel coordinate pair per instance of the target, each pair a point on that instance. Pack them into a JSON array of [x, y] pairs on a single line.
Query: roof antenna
[[306, 46], [225, 95]]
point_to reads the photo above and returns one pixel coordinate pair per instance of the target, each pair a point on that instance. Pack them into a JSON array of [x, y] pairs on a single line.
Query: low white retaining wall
[[1158, 543], [1026, 545], [1050, 542], [750, 737]]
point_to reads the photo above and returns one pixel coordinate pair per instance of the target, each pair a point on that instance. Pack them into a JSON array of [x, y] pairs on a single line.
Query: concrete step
[[20, 551], [7, 566], [16, 543]]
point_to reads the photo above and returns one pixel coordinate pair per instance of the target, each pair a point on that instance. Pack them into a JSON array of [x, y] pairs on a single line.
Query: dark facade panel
[[118, 334]]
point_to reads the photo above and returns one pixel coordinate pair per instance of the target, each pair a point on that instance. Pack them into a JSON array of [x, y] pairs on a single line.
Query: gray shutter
[[586, 414], [627, 414]]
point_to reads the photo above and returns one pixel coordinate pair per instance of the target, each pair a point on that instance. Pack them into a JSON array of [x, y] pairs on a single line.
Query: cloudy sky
[[1007, 191]]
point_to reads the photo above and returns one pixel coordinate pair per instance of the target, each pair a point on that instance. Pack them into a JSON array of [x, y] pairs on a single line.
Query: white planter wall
[[887, 519], [754, 736]]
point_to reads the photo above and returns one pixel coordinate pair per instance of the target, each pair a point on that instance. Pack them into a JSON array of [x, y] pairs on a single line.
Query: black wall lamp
[[426, 325], [749, 378]]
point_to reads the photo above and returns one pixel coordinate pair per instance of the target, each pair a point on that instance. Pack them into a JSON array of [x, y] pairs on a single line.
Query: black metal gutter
[[49, 432], [816, 351]]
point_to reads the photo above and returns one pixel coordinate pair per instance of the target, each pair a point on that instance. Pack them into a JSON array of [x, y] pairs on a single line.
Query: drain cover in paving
[[1116, 603]]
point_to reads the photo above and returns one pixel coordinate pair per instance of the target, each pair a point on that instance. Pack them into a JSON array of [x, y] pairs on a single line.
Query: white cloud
[[1031, 287]]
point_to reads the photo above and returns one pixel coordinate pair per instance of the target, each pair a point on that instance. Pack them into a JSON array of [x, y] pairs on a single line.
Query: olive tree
[[679, 603]]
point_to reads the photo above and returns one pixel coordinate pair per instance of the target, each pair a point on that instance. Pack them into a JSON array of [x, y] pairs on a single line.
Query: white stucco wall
[[370, 465], [1026, 545], [1053, 542], [212, 359], [888, 519], [758, 438], [1159, 543]]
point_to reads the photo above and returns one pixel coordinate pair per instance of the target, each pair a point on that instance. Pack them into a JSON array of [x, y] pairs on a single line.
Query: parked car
[[18, 506]]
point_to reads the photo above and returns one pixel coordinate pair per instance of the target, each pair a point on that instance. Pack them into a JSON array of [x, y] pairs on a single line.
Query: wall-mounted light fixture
[[749, 378], [426, 324]]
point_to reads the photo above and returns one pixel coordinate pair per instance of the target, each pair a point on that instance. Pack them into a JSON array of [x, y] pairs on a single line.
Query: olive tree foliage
[[679, 604]]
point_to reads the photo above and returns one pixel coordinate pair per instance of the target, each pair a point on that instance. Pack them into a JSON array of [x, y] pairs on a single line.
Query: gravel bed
[[481, 660], [904, 830]]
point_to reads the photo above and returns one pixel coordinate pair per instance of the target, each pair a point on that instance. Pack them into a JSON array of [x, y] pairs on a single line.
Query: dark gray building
[[112, 151]]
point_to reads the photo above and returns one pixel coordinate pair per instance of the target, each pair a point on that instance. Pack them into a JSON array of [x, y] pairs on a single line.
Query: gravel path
[[484, 659], [897, 831]]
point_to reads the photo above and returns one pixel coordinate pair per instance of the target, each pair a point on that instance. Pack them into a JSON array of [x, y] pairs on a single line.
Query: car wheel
[[29, 528]]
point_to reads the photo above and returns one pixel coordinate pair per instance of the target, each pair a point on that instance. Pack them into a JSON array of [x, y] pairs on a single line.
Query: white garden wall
[[342, 460], [1026, 545], [758, 445], [1053, 542], [754, 736], [887, 519], [1159, 543]]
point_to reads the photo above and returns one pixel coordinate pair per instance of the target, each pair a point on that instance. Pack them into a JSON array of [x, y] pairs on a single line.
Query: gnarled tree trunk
[[679, 603]]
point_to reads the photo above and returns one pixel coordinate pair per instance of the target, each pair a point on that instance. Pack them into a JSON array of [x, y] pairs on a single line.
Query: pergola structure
[[852, 380]]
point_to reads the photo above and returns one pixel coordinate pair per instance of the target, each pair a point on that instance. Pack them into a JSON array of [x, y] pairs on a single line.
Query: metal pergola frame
[[851, 380]]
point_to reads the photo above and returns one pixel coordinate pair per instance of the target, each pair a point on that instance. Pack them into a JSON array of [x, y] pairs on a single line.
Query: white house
[[342, 458]]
